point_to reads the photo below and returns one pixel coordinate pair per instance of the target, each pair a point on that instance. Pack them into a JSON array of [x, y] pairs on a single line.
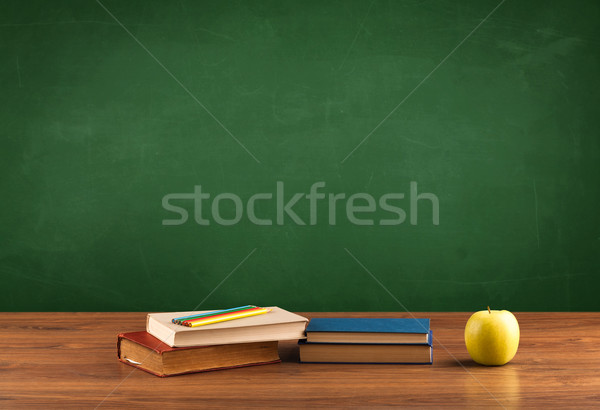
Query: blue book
[[366, 330], [374, 353]]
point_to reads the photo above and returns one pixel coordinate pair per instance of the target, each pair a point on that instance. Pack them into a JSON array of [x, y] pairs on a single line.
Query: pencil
[[178, 320], [219, 315], [213, 312], [235, 315]]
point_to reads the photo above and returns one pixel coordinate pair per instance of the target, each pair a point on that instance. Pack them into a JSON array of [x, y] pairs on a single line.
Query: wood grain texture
[[60, 360]]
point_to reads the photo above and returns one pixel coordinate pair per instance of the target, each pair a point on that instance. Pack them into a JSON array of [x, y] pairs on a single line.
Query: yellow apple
[[492, 337]]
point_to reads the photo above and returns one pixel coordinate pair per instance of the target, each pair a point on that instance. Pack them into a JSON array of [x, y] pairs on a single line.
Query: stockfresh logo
[[360, 208]]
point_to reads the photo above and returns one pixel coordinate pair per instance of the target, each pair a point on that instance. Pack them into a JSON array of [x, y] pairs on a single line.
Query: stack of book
[[168, 349], [345, 340]]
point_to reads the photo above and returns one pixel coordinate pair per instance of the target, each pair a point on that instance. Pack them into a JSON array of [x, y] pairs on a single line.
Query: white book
[[278, 324]]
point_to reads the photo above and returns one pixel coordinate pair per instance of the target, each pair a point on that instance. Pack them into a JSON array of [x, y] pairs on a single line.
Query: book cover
[[367, 330], [371, 325], [144, 351], [279, 324]]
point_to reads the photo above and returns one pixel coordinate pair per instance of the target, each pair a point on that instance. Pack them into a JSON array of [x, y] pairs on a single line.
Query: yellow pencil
[[210, 321]]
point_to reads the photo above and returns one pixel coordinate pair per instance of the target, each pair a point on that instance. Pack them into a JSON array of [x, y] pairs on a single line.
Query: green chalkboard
[[357, 155]]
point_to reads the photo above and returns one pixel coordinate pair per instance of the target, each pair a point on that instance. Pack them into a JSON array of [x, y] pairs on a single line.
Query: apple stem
[[490, 312]]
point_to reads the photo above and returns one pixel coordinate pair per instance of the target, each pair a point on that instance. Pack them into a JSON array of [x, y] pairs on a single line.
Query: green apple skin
[[492, 337]]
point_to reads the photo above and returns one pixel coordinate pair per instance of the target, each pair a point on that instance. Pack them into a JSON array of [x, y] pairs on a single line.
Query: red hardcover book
[[144, 351]]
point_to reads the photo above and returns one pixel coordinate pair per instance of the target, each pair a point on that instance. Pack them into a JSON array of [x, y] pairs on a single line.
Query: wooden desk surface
[[69, 360]]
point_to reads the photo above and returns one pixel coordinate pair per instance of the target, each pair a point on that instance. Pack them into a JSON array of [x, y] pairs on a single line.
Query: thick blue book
[[367, 330], [374, 353]]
